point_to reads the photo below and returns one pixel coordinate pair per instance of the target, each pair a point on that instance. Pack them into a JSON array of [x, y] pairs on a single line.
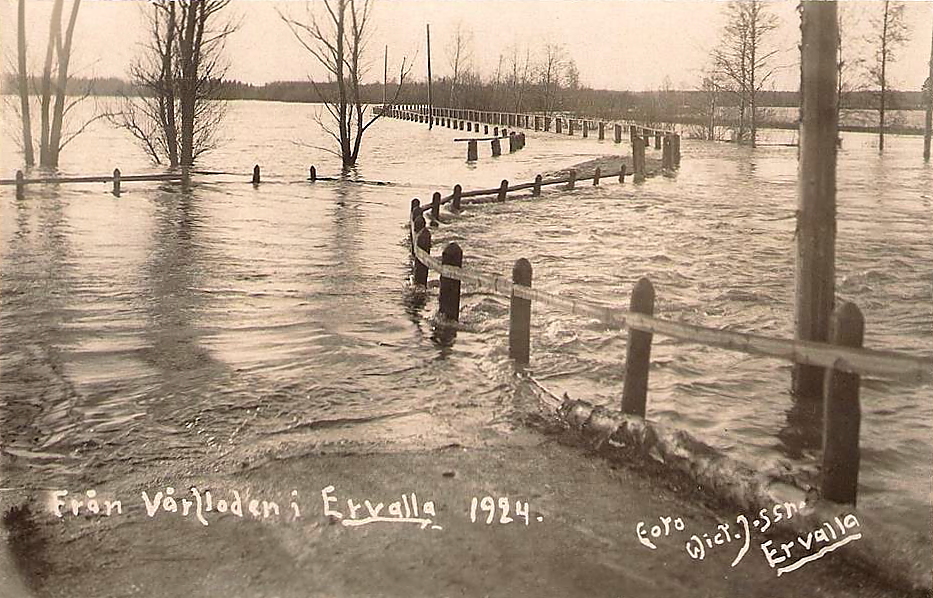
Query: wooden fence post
[[20, 185], [657, 140], [537, 123], [536, 190], [424, 242], [638, 353], [455, 199], [842, 413], [676, 151], [435, 208], [586, 129], [503, 189], [495, 131], [116, 182], [472, 152], [469, 127], [638, 159], [596, 174], [618, 134], [413, 215], [496, 147], [547, 124], [573, 178], [256, 174], [449, 299], [667, 161], [558, 124], [570, 127], [513, 143], [312, 174], [520, 315], [622, 173], [485, 129], [602, 130]]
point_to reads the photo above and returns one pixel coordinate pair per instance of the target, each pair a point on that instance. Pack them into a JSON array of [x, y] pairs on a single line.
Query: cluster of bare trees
[[522, 80], [176, 115], [745, 61], [52, 102]]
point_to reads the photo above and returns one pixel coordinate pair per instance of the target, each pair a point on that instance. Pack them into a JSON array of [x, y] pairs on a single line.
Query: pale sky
[[617, 44]]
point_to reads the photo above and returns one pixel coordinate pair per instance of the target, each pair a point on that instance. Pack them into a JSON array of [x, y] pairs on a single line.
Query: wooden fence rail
[[845, 360]]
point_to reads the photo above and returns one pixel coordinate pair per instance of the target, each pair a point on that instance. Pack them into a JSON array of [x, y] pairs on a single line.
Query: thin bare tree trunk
[[928, 129], [64, 58], [28, 153], [55, 31], [884, 81]]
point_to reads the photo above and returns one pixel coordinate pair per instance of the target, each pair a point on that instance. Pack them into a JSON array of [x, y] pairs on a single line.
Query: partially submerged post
[[596, 174], [536, 190], [449, 299], [602, 130], [520, 315], [20, 185], [638, 159], [558, 124], [618, 133], [842, 413], [585, 126], [816, 188], [572, 178], [312, 174], [496, 147], [675, 151], [667, 157], [435, 208], [116, 182], [503, 190], [256, 174], [570, 126], [638, 353], [657, 140], [472, 153], [455, 199], [424, 243]]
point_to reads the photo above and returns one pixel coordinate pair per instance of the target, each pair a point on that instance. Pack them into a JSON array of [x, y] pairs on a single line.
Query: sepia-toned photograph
[[466, 298]]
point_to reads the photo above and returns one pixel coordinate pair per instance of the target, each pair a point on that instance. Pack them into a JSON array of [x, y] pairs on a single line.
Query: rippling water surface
[[166, 325]]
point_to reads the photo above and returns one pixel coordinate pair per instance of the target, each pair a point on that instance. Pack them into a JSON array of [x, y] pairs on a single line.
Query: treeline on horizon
[[659, 105]]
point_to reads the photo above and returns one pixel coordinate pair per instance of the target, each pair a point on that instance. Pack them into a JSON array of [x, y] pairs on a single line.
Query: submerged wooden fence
[[666, 140], [844, 358]]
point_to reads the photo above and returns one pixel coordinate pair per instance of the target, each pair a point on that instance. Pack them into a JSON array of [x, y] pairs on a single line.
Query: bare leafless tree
[[550, 69], [746, 58], [337, 40], [53, 102], [459, 52], [177, 113], [850, 61], [889, 33]]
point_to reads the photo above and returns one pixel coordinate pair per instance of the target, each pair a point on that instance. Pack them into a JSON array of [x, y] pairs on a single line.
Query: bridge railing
[[844, 358]]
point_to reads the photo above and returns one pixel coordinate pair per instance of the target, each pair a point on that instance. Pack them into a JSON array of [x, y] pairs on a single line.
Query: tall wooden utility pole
[[816, 186], [928, 130], [430, 98]]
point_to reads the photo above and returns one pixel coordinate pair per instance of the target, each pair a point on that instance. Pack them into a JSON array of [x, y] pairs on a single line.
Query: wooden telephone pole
[[816, 191], [430, 98]]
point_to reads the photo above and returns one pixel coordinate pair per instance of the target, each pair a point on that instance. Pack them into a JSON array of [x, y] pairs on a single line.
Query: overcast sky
[[617, 44]]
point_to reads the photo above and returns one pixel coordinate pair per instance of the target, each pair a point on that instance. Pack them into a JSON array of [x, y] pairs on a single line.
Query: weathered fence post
[[618, 133], [413, 216], [622, 173], [503, 190], [20, 185], [638, 159], [496, 147], [676, 151], [513, 143], [455, 198], [547, 124], [449, 299], [435, 208], [520, 315], [471, 151], [485, 129], [602, 130], [116, 182], [558, 124], [842, 413], [312, 174], [573, 178], [424, 242], [596, 174], [638, 353], [570, 127], [256, 174], [536, 190], [469, 127], [657, 140], [495, 131], [461, 125], [537, 123], [585, 127]]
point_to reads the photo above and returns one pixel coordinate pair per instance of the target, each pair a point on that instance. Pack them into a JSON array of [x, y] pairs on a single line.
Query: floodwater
[[166, 326]]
